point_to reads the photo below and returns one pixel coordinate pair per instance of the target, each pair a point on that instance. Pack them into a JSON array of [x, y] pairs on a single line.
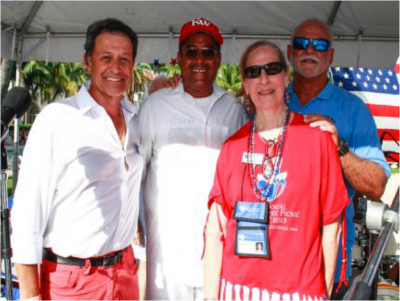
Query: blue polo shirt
[[355, 124]]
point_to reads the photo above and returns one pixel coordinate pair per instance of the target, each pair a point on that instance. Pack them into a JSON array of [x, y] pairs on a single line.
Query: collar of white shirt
[[87, 103]]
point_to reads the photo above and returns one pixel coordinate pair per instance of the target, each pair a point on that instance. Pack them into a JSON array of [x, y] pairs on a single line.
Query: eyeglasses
[[301, 43], [193, 53], [270, 69]]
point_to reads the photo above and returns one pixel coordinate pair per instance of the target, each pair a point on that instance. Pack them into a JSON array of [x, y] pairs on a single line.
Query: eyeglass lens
[[317, 44], [270, 69], [206, 53]]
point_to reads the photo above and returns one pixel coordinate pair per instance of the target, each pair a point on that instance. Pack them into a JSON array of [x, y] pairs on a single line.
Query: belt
[[105, 261]]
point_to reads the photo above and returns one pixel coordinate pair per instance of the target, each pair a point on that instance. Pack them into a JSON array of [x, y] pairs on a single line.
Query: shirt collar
[[325, 94], [216, 94], [86, 102]]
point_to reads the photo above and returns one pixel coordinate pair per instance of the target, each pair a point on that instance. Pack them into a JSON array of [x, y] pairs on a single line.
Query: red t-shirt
[[311, 193]]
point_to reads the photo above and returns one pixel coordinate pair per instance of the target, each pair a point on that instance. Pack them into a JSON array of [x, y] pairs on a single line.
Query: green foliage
[[228, 78], [48, 82], [25, 126], [140, 79], [168, 70]]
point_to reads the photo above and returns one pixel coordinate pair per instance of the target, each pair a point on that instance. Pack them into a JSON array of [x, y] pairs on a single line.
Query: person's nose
[[309, 49], [200, 57], [264, 77], [115, 66]]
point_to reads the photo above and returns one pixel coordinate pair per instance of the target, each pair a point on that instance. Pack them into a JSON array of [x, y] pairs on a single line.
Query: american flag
[[379, 89]]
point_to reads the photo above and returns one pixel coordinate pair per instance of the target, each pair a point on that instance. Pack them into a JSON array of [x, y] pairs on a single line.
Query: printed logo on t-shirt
[[275, 189]]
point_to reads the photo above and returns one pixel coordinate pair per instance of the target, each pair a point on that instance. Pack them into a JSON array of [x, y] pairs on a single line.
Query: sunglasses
[[270, 69], [301, 43], [206, 53]]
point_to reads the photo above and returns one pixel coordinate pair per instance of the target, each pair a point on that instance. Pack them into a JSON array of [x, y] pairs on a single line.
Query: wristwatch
[[343, 148]]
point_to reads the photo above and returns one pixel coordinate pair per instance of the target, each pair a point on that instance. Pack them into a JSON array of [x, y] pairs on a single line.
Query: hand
[[36, 298], [139, 237], [325, 124], [172, 82]]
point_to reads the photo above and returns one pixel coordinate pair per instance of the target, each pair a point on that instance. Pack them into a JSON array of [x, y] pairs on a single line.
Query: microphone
[[15, 104]]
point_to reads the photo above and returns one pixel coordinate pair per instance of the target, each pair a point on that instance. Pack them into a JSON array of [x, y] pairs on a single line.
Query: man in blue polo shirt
[[354, 131]]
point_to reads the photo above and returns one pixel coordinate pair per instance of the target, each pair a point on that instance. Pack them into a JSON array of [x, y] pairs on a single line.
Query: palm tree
[[141, 76], [49, 82], [35, 76], [74, 75], [228, 78]]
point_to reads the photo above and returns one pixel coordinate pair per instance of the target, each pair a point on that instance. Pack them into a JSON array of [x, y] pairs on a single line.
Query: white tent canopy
[[366, 32]]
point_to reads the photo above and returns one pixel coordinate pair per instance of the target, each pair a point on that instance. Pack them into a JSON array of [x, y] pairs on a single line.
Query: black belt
[[106, 261]]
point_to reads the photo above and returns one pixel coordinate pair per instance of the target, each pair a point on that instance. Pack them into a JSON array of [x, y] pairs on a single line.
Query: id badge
[[251, 229]]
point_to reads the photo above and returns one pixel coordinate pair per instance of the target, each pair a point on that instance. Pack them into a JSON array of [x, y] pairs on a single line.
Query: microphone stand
[[6, 250]]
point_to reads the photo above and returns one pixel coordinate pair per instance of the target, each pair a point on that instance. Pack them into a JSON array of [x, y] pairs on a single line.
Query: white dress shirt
[[182, 137], [78, 188]]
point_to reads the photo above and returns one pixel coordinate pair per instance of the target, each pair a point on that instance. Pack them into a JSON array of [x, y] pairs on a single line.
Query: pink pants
[[118, 282]]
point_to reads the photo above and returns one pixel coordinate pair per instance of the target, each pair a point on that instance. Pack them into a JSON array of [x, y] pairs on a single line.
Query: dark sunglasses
[[270, 69], [206, 53], [301, 43]]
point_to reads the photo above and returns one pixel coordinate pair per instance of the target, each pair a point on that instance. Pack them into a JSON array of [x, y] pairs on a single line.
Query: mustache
[[311, 57]]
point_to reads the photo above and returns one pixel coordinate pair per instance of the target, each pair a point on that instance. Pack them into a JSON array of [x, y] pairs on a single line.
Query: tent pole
[[47, 45], [14, 39], [170, 42], [28, 20], [359, 48], [334, 11], [233, 45]]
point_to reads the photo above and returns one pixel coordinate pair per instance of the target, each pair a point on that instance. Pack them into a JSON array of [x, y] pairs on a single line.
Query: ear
[[289, 52], [86, 62], [179, 58], [331, 55], [219, 59], [287, 77], [245, 86]]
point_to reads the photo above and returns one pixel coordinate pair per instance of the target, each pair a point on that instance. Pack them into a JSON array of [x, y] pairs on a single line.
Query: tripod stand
[[6, 251], [378, 217]]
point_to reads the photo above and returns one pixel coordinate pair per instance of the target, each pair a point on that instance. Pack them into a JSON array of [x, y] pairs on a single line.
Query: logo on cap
[[201, 21], [200, 25]]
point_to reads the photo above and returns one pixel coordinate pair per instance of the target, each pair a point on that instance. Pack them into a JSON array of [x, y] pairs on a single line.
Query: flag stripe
[[393, 157], [390, 146], [389, 111], [387, 123], [394, 133], [378, 98]]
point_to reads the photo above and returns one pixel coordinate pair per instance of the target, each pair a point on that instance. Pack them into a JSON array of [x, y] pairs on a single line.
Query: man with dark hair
[[182, 131], [110, 26], [344, 115], [77, 198]]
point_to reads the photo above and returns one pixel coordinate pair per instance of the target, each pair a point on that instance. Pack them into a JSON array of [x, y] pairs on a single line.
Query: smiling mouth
[[266, 92], [199, 70], [308, 61], [113, 79]]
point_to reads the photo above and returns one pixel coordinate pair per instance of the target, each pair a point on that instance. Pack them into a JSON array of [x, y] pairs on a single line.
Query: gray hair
[[318, 21]]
